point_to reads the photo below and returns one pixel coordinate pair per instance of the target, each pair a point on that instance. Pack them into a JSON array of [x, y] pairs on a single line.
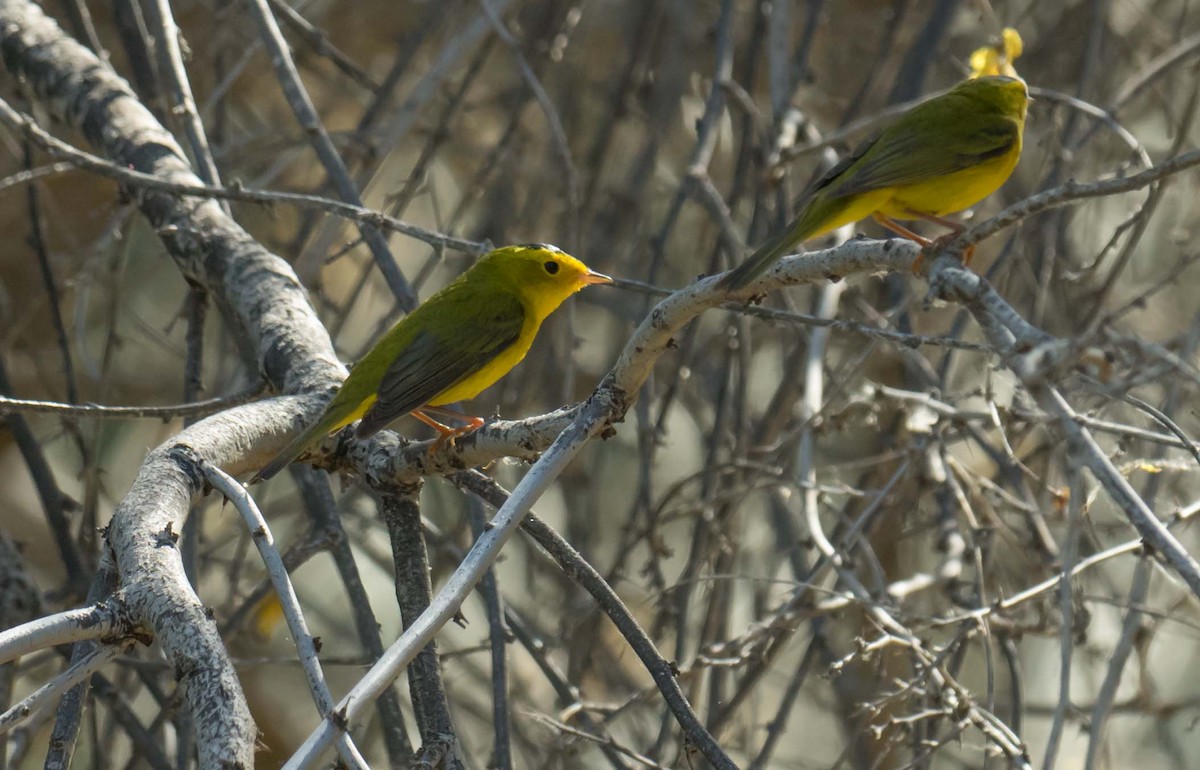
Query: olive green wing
[[924, 145], [840, 168], [475, 331]]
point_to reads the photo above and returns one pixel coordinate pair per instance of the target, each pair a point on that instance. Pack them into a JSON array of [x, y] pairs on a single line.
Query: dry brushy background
[[934, 475]]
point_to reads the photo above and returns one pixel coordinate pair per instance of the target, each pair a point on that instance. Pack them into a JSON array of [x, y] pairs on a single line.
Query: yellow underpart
[[857, 207]]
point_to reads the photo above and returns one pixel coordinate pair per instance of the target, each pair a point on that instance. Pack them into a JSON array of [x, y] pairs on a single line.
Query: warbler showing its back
[[942, 156], [984, 120]]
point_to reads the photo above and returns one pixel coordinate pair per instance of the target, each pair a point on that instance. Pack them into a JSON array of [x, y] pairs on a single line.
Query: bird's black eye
[[551, 266]]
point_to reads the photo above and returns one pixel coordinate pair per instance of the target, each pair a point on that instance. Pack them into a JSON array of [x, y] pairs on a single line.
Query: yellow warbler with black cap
[[455, 344]]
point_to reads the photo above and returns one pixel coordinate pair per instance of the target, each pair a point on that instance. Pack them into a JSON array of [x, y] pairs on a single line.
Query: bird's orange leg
[[949, 224], [900, 229], [445, 432], [955, 228]]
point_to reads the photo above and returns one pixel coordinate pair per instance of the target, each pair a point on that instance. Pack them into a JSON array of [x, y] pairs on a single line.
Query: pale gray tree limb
[[306, 648]]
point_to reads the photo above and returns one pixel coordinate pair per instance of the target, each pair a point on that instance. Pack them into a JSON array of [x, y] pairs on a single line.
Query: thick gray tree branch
[[257, 290], [259, 294]]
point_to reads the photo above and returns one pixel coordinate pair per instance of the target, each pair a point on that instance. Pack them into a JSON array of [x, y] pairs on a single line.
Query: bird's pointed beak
[[592, 277]]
